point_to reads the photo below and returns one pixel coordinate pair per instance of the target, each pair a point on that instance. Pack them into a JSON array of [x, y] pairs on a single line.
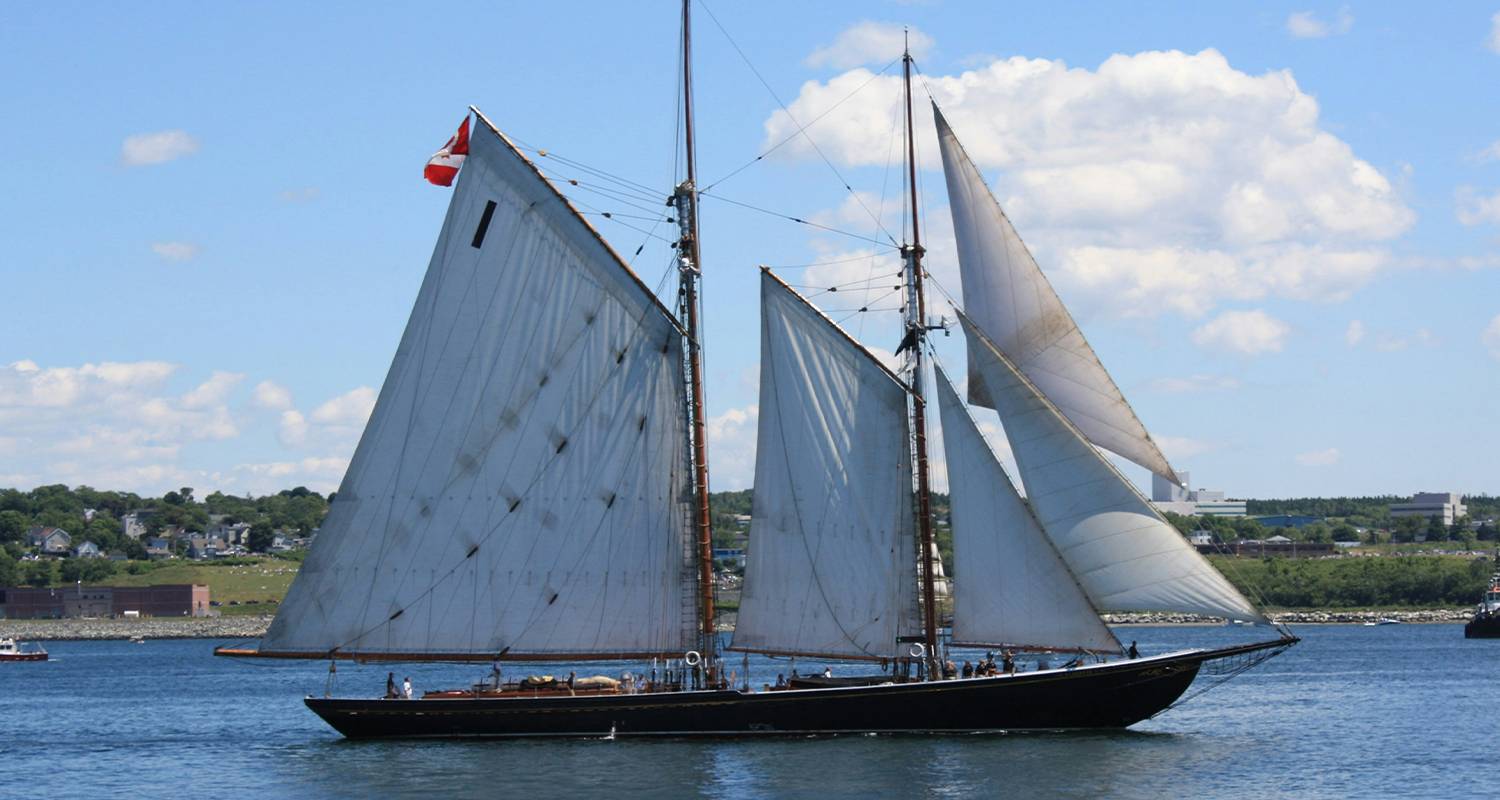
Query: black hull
[[1485, 626], [1111, 695]]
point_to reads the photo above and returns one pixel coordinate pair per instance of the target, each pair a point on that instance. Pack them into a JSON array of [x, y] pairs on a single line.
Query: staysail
[[522, 486], [1010, 586], [1124, 554], [1010, 299], [831, 550]]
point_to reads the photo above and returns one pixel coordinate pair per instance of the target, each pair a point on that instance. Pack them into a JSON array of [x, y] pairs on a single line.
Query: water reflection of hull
[[1110, 695]]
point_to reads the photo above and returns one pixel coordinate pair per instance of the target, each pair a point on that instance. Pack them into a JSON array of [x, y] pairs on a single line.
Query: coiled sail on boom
[[521, 488]]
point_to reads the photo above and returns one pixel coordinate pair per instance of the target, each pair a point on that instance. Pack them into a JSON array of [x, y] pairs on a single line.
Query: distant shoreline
[[61, 630], [252, 627]]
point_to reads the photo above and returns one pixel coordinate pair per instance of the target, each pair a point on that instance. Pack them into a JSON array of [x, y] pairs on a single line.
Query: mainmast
[[916, 339], [685, 198]]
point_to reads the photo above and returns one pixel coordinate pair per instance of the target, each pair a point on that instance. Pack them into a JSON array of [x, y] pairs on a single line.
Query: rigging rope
[[799, 220], [802, 129]]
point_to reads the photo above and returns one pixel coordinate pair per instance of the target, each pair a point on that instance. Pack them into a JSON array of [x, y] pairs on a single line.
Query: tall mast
[[685, 198], [916, 338]]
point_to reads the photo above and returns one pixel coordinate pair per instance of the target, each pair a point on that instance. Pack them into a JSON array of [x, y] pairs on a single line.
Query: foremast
[[916, 340], [685, 199]]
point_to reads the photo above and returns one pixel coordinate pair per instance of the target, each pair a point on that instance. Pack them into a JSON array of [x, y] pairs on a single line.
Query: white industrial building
[[1168, 496], [1447, 506]]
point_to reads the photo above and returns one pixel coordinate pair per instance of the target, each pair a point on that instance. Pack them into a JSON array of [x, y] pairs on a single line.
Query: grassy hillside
[[248, 582]]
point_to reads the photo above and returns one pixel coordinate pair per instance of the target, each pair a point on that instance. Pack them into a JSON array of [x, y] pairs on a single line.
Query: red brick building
[[168, 600]]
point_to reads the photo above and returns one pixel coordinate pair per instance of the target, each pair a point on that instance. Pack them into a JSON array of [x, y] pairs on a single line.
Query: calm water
[[1394, 711]]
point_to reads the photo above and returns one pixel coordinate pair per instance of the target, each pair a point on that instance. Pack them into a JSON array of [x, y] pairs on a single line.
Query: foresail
[[521, 487], [1124, 554], [1006, 293], [1010, 586], [831, 547]]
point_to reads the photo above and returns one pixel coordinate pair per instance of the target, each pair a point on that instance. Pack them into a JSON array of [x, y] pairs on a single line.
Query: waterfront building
[[167, 600], [1168, 496], [1446, 506]]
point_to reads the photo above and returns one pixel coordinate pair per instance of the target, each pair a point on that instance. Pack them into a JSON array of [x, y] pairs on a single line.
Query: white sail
[[1006, 293], [1124, 554], [831, 551], [1010, 586], [521, 486]]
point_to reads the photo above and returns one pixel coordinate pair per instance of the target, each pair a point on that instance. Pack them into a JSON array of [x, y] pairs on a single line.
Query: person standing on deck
[[390, 686], [406, 687]]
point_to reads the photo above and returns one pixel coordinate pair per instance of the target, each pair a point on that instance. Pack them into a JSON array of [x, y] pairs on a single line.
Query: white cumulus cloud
[[351, 408], [1490, 338], [1355, 333], [293, 432], [213, 391], [175, 251], [1319, 458], [1157, 182], [112, 424], [866, 43], [1306, 24], [157, 148], [272, 396], [1247, 333], [1477, 209], [731, 442], [1493, 42]]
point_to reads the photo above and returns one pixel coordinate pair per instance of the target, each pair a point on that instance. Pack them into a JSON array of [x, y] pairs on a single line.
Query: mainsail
[[1011, 587], [1010, 299], [1125, 555], [831, 542], [522, 486]]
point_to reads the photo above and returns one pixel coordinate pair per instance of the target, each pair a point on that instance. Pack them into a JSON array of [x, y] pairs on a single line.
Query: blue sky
[[1279, 224]]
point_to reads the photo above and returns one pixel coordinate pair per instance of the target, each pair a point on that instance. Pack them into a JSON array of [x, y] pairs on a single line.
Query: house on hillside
[[88, 550], [51, 541], [238, 533], [158, 547], [201, 547], [133, 525]]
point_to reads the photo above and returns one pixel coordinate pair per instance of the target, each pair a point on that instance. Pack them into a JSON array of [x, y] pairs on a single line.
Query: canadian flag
[[444, 164]]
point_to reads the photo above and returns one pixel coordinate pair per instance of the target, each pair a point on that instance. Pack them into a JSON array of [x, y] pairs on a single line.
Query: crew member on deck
[[968, 669], [390, 686], [1132, 652], [406, 687]]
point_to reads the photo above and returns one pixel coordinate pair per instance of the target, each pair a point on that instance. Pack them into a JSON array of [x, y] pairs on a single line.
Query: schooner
[[532, 485]]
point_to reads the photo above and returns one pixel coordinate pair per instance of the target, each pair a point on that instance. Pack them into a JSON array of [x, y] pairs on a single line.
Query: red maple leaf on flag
[[444, 164]]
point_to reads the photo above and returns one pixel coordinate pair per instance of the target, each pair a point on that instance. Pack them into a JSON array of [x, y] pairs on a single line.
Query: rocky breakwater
[[1305, 617], [41, 630]]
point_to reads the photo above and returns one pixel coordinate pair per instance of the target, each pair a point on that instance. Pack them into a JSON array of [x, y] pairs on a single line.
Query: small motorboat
[[1383, 621], [11, 650]]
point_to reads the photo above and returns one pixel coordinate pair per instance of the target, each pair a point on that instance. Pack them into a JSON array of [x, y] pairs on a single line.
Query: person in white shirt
[[406, 687]]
